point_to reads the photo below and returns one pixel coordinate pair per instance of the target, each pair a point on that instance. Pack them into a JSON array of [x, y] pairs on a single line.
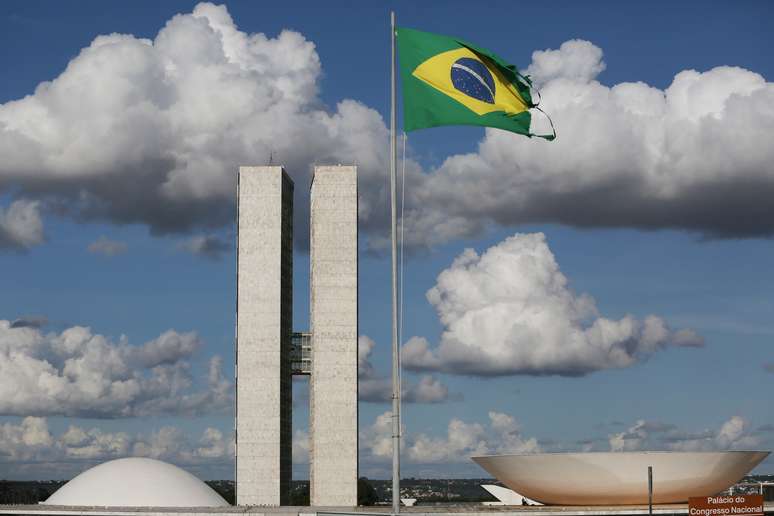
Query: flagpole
[[394, 231]]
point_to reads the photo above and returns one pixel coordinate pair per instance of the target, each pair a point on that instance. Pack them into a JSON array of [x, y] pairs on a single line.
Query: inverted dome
[[136, 482], [619, 478]]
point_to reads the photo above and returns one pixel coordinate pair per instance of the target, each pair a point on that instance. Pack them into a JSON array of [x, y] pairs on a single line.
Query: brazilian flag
[[448, 81]]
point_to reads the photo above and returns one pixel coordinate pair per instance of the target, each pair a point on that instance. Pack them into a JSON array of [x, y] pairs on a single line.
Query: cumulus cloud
[[693, 156], [633, 437], [107, 247], [429, 389], [300, 447], [21, 226], [162, 124], [463, 440], [576, 60], [510, 311], [79, 373], [501, 434], [735, 433], [29, 448], [211, 247], [376, 387]]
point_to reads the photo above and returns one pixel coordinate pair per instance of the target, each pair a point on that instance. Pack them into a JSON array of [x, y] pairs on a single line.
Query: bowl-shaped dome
[[136, 482], [619, 478]]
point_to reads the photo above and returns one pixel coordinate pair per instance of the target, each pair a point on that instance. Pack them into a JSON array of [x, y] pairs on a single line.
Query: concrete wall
[[264, 319], [333, 383]]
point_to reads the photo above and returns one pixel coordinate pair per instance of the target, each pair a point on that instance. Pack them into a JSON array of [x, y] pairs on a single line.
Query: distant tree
[[26, 492], [366, 494], [299, 494], [224, 489]]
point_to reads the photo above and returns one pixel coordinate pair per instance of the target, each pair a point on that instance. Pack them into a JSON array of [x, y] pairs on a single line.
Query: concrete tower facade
[[269, 353], [333, 384], [264, 327]]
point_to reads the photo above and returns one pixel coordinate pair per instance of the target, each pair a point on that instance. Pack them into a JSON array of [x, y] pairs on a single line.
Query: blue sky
[[649, 210]]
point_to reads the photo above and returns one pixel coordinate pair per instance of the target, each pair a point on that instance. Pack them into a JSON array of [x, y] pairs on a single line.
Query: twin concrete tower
[[269, 353]]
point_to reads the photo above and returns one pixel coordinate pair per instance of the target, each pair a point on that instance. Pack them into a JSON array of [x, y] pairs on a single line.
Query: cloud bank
[[211, 247], [510, 311], [79, 373], [694, 156], [377, 387], [31, 450], [21, 226], [500, 434], [162, 124], [733, 434]]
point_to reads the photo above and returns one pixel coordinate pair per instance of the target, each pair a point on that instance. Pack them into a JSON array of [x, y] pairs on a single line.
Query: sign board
[[736, 505]]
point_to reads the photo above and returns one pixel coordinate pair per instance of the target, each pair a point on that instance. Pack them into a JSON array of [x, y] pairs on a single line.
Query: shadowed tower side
[[333, 384], [264, 327]]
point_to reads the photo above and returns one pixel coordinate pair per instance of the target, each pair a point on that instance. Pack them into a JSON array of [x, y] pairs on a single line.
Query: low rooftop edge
[[534, 510]]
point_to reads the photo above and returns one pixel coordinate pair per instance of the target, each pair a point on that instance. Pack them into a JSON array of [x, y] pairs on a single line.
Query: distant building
[[264, 326], [268, 353], [765, 488], [333, 304]]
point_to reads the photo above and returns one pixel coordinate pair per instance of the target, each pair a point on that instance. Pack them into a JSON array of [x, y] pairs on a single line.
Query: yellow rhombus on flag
[[447, 81]]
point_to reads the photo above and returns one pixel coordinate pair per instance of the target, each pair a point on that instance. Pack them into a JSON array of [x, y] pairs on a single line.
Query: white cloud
[[634, 437], [107, 247], [79, 373], [576, 60], [300, 447], [735, 433], [693, 156], [429, 389], [162, 124], [93, 444], [21, 226], [511, 311], [167, 349], [214, 445], [376, 387], [29, 448], [26, 441], [211, 247], [372, 386], [376, 439], [365, 346], [501, 434]]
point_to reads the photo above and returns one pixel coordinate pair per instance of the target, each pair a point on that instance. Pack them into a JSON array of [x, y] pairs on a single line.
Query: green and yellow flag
[[448, 81]]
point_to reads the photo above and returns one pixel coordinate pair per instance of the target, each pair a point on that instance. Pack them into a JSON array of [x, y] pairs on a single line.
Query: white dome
[[136, 482]]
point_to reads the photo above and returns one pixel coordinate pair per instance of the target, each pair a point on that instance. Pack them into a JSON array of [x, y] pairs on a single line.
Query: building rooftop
[[134, 482]]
